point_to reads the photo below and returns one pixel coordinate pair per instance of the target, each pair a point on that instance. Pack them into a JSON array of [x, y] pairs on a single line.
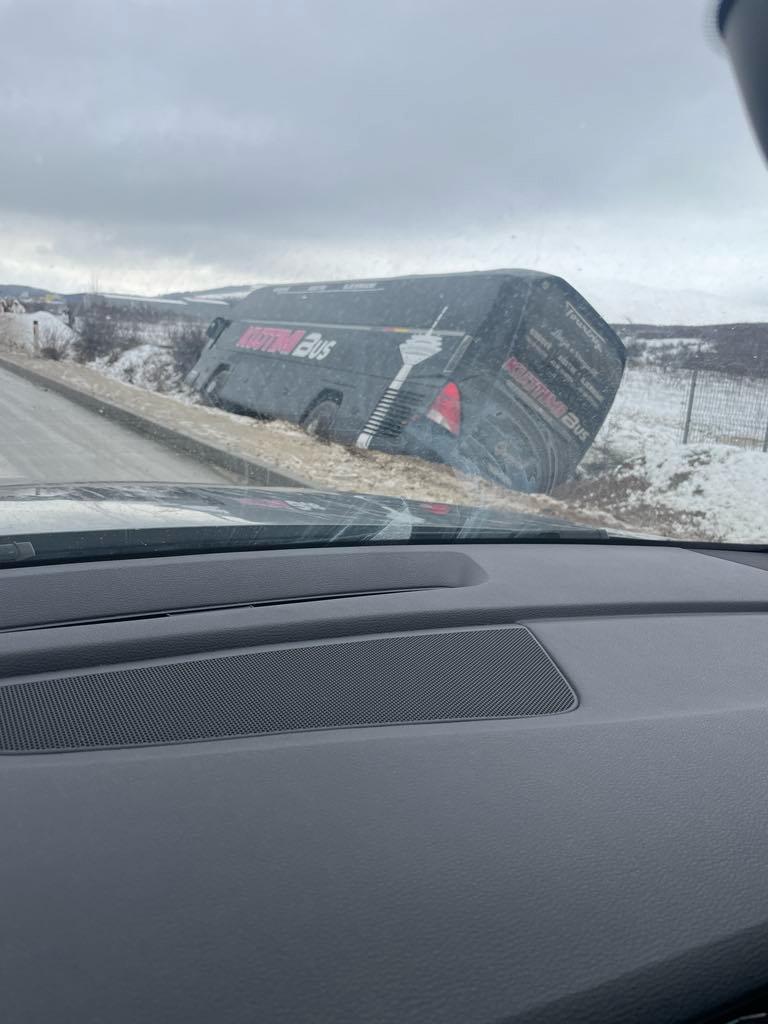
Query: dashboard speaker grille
[[465, 674]]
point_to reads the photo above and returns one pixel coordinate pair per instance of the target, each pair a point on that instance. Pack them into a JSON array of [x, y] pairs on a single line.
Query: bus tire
[[320, 419]]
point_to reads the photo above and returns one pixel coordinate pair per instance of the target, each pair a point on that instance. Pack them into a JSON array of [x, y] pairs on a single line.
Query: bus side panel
[[281, 371], [365, 324]]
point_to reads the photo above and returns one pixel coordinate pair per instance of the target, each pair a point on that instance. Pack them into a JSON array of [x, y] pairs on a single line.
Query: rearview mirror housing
[[743, 24]]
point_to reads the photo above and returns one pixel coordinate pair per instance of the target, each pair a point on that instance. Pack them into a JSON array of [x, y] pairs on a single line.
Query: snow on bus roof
[[141, 298]]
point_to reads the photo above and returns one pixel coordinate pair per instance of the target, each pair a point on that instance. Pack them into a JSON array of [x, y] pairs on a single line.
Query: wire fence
[[724, 409]]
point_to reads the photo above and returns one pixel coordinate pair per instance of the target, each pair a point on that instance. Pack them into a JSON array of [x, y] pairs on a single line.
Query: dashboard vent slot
[[456, 675]]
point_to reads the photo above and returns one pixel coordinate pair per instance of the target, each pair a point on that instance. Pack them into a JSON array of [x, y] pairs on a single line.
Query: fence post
[[765, 439], [689, 410]]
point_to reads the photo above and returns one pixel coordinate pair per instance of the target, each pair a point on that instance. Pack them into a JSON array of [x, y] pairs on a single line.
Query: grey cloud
[[158, 128]]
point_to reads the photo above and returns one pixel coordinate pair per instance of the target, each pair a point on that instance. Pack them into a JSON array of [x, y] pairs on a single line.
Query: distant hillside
[[142, 308], [203, 304], [14, 291], [728, 348]]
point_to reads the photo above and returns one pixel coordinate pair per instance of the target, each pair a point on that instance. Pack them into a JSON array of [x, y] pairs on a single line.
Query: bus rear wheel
[[320, 419]]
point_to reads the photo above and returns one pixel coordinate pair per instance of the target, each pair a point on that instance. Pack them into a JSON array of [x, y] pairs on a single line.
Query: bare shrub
[[606, 454], [186, 343], [158, 375], [99, 334], [50, 343]]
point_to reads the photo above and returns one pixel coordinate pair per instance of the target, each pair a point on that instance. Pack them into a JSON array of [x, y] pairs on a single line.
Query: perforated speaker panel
[[453, 675]]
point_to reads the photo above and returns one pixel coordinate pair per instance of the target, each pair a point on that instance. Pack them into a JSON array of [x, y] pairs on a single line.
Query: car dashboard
[[468, 783]]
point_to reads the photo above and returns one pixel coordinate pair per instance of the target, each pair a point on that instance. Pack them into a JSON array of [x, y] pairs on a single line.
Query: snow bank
[[17, 332], [721, 490], [146, 366], [697, 492]]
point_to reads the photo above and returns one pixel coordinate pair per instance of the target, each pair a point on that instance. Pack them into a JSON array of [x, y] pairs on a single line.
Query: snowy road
[[47, 439]]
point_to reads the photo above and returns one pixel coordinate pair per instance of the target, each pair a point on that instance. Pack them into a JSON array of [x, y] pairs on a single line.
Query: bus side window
[[216, 328]]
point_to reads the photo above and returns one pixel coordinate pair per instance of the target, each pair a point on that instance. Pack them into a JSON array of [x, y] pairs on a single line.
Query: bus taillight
[[446, 409]]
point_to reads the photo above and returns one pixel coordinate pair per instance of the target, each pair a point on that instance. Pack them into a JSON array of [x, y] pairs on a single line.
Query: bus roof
[[460, 302]]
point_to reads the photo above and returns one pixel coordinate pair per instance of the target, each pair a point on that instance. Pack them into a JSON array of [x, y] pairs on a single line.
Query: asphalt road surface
[[45, 438]]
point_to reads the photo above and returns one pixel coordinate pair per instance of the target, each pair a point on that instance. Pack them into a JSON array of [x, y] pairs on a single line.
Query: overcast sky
[[161, 144]]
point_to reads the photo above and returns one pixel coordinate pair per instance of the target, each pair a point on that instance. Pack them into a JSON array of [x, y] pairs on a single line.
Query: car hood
[[34, 509]]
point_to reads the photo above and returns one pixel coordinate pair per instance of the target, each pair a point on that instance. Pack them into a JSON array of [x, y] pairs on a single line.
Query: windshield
[[351, 272]]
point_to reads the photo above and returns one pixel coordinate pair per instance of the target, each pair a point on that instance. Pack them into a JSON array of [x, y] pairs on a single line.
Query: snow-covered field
[[637, 475]]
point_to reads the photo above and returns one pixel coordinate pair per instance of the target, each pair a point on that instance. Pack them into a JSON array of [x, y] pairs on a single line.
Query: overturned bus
[[508, 374]]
